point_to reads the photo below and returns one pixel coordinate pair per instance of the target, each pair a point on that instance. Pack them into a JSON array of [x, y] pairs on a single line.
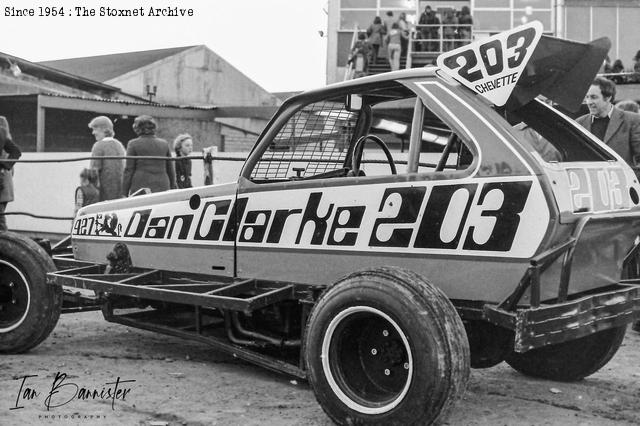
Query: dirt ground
[[183, 383]]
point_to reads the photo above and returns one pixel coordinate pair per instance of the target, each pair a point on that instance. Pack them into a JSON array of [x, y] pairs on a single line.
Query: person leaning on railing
[[8, 150], [183, 146], [359, 56]]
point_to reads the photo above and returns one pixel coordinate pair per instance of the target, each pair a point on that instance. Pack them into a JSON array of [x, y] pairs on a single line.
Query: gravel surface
[[178, 382]]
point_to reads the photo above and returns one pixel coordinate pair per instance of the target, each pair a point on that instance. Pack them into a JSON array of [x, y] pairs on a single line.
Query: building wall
[[196, 76], [618, 20], [199, 76], [204, 133]]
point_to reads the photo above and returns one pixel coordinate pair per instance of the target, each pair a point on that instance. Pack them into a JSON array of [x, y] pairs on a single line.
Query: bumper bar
[[551, 324]]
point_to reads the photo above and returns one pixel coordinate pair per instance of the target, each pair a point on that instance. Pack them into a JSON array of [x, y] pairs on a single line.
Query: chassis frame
[[541, 323]]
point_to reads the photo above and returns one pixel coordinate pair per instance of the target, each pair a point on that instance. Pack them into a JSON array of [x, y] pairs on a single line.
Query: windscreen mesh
[[314, 141]]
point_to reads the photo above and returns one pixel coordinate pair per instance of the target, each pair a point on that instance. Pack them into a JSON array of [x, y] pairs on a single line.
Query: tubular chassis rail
[[198, 295]]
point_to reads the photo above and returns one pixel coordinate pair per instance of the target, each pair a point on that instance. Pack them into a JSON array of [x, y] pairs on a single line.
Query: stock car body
[[503, 231]]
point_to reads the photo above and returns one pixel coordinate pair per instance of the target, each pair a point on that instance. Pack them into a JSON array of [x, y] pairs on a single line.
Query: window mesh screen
[[314, 141]]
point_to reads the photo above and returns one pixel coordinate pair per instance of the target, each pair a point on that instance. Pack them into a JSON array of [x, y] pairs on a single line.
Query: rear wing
[[513, 67]]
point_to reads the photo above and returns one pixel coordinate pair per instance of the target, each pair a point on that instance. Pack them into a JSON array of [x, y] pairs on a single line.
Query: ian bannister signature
[[63, 391]]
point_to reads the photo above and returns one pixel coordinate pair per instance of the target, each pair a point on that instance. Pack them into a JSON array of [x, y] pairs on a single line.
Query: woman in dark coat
[[376, 33], [156, 175], [8, 150], [183, 146]]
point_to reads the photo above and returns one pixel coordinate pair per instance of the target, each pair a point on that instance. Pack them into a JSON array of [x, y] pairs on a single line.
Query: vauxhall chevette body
[[384, 235]]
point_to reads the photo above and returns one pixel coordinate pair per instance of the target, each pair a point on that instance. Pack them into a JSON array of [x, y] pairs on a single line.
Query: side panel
[[461, 228], [184, 230]]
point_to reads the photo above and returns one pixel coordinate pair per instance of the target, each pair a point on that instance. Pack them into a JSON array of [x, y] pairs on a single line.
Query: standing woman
[[157, 175], [8, 150], [375, 32], [109, 170], [183, 145]]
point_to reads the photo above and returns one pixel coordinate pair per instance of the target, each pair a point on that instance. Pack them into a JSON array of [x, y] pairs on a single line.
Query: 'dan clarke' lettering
[[255, 226], [212, 218], [279, 221], [137, 223], [318, 222], [346, 218]]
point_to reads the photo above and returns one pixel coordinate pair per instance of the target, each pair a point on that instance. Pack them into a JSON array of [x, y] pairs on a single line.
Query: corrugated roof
[[105, 67], [132, 102]]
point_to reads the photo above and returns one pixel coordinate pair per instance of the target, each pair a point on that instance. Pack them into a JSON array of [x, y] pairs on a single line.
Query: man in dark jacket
[[430, 31], [618, 129]]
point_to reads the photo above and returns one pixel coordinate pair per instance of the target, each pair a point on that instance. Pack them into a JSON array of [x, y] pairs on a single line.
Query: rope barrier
[[201, 157], [36, 216], [195, 157], [114, 157]]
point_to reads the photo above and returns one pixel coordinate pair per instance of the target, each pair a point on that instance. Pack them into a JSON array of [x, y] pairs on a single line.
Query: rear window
[[553, 136]]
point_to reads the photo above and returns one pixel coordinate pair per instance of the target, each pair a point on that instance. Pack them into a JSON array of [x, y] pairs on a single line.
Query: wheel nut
[[406, 365], [385, 333], [387, 372], [374, 351], [11, 284]]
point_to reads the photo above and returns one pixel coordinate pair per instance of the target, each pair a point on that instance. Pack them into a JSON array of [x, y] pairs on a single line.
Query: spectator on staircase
[[466, 22], [375, 32], [387, 22], [359, 56], [394, 39], [430, 30], [449, 30], [404, 27]]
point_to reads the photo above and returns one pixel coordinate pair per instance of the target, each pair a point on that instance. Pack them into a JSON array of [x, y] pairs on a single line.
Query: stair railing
[[412, 35], [349, 71]]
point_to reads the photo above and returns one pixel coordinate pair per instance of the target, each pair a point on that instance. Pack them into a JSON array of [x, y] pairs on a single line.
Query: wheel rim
[[15, 297], [367, 360]]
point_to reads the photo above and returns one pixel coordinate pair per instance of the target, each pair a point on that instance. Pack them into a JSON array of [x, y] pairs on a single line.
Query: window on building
[[358, 4], [493, 16]]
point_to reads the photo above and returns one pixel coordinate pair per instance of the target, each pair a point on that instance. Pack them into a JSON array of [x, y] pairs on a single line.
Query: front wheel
[[572, 360], [29, 307], [386, 347]]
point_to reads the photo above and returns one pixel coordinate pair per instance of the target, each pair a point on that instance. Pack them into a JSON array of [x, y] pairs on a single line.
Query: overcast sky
[[274, 42]]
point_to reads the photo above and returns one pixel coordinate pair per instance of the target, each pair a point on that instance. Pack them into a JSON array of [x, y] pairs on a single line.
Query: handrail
[[348, 73], [441, 40], [409, 62], [625, 77]]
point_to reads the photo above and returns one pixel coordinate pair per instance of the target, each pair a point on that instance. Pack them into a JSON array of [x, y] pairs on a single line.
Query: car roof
[[426, 72]]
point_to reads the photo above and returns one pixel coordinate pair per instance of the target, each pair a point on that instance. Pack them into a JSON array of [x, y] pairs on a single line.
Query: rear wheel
[[386, 347], [29, 307], [572, 360], [489, 343]]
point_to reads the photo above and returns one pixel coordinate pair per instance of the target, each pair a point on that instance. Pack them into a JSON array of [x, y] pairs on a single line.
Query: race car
[[384, 235]]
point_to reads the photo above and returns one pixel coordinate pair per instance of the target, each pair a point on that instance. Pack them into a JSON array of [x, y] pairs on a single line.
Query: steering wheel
[[359, 148]]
